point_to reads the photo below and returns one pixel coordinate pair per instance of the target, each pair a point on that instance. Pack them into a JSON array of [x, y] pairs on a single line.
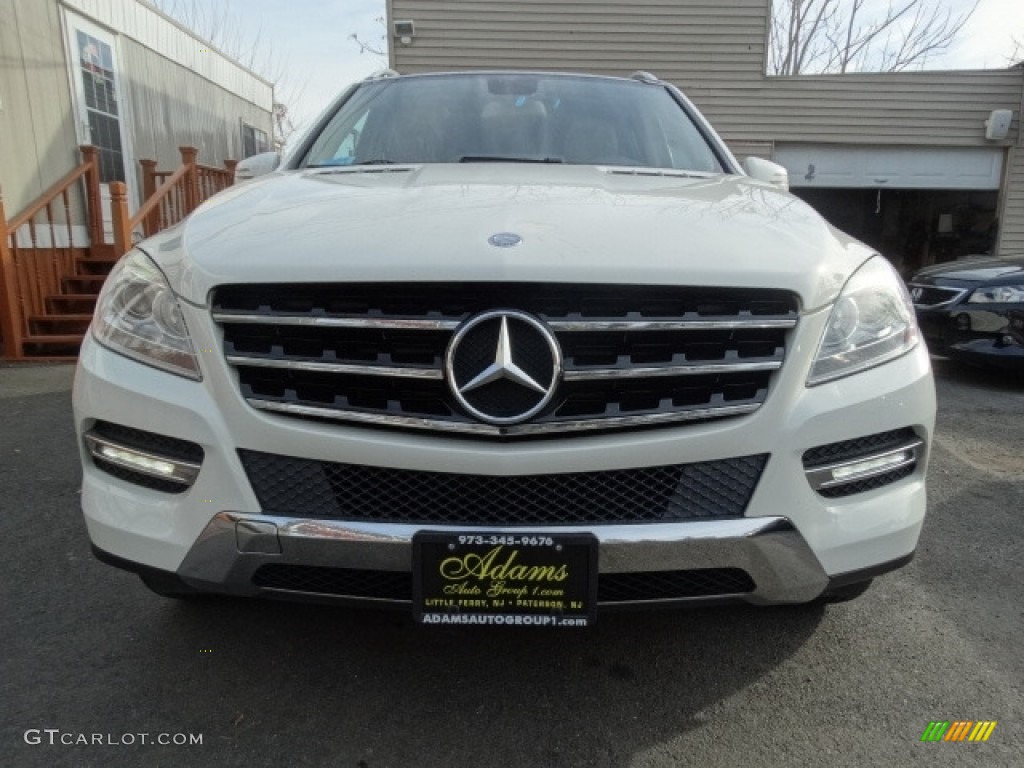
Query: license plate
[[502, 579]]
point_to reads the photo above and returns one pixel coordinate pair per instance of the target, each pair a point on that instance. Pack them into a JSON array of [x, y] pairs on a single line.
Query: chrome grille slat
[[633, 356], [518, 430], [692, 369], [589, 326], [339, 368], [387, 323]]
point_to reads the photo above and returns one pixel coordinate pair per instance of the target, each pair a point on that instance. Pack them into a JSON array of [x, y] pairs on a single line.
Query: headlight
[[871, 323], [998, 294], [137, 315]]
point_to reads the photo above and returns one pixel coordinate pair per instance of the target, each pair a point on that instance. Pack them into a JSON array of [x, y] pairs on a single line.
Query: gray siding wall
[[171, 106], [1011, 215], [715, 52], [37, 135]]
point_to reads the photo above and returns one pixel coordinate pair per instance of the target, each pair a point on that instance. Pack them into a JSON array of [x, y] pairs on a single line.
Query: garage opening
[[912, 227], [917, 206]]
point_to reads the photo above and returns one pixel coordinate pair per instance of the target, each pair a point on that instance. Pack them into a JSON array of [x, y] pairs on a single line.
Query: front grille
[[372, 354], [933, 295], [303, 487], [611, 587], [847, 450]]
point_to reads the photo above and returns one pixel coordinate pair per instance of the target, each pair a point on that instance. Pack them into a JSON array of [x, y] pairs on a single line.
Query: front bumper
[[234, 547], [792, 540], [974, 334]]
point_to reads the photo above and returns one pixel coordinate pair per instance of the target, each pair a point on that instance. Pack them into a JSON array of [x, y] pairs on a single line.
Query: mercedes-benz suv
[[506, 348]]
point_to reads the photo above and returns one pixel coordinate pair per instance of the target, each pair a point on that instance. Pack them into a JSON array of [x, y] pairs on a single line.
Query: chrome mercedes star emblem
[[503, 366]]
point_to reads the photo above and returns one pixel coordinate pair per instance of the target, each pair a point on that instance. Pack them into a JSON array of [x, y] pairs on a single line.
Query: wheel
[[169, 585], [844, 593]]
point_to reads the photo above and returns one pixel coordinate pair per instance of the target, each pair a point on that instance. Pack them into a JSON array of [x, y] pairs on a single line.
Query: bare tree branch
[[822, 36], [377, 47], [1016, 57]]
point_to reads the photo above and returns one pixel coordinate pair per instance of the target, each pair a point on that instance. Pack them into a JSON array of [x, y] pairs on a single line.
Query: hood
[[576, 224], [976, 270]]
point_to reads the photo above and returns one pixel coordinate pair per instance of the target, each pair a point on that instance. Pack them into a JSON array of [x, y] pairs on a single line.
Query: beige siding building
[[901, 160]]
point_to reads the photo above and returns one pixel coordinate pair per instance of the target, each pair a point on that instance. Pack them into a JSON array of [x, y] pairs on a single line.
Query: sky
[[307, 43]]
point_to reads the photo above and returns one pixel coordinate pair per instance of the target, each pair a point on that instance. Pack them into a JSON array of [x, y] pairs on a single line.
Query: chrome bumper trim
[[770, 549]]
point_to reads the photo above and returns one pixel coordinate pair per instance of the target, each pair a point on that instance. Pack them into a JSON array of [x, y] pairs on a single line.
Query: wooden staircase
[[57, 333], [49, 287]]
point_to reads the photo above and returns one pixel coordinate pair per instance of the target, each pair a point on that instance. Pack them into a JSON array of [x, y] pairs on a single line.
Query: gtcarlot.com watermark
[[55, 737]]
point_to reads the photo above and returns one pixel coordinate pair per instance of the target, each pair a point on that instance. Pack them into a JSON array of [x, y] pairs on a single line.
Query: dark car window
[[513, 117]]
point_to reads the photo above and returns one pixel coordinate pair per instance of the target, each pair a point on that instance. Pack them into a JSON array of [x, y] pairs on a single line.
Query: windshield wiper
[[508, 159]]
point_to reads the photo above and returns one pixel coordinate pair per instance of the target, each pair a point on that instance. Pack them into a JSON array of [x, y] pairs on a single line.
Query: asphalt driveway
[[88, 652]]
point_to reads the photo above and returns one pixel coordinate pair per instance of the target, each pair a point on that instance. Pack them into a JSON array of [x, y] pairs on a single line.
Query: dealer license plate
[[505, 579]]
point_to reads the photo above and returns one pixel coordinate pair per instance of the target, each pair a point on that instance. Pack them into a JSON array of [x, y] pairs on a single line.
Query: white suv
[[506, 348]]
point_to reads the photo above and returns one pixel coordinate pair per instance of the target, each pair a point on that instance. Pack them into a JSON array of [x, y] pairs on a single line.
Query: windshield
[[513, 118]]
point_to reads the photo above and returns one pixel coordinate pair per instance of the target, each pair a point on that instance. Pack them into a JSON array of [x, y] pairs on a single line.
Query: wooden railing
[[29, 273], [49, 279], [193, 184]]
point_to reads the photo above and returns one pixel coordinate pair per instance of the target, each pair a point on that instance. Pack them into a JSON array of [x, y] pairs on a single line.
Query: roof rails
[[645, 77]]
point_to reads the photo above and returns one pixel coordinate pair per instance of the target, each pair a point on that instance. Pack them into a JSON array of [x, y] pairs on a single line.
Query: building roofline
[[192, 33]]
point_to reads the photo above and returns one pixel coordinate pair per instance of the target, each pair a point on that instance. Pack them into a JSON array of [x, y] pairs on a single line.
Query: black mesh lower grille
[[345, 582], [669, 585], [611, 588], [139, 478], [303, 487], [868, 483], [860, 446]]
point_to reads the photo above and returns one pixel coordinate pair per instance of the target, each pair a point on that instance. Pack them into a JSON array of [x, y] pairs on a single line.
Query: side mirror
[[765, 170], [257, 165]]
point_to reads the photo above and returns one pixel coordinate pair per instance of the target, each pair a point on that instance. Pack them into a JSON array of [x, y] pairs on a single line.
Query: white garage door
[[844, 167]]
